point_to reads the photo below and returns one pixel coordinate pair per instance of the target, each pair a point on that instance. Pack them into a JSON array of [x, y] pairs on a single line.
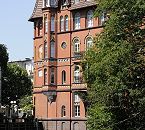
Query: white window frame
[[76, 74], [77, 18], [61, 23], [66, 22], [40, 73], [52, 49], [76, 45], [77, 110], [46, 24], [52, 23], [90, 18], [45, 50], [89, 42]]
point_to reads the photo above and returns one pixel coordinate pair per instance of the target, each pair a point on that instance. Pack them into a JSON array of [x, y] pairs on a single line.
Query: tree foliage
[[16, 84], [3, 56], [26, 103], [115, 69]]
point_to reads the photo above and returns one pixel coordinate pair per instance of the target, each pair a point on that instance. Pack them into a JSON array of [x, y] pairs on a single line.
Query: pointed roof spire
[[37, 12]]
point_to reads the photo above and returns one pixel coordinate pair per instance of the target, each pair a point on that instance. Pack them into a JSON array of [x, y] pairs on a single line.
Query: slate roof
[[37, 12], [83, 4]]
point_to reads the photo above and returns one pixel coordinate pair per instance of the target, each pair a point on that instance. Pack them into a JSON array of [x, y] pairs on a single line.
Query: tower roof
[[37, 12]]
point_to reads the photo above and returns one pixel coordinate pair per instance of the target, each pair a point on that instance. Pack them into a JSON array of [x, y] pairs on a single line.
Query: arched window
[[90, 18], [66, 23], [102, 19], [40, 52], [76, 126], [77, 21], [45, 50], [63, 126], [52, 23], [45, 24], [89, 42], [52, 49], [61, 24], [39, 28], [63, 77], [52, 76], [63, 111], [77, 74], [45, 77], [76, 45]]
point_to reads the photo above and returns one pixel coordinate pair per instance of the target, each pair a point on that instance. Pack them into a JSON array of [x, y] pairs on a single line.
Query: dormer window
[[76, 1], [64, 2], [45, 3], [52, 2]]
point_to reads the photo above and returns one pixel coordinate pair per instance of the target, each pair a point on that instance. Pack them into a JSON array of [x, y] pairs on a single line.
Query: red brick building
[[63, 30]]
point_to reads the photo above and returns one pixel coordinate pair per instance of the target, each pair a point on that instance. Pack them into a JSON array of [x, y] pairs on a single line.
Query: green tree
[[115, 70], [26, 103], [3, 57], [16, 84]]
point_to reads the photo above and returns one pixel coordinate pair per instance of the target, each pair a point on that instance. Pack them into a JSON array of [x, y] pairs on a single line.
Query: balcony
[[78, 79], [78, 55]]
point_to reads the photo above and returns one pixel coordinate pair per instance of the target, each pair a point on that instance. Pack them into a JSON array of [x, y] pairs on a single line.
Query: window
[[45, 77], [45, 50], [63, 77], [52, 23], [52, 49], [63, 111], [90, 18], [40, 52], [61, 24], [52, 75], [66, 23], [102, 19], [63, 126], [76, 1], [39, 28], [76, 126], [77, 110], [52, 2], [77, 21], [76, 45], [63, 45], [89, 42], [76, 98], [76, 105], [45, 25], [39, 73], [77, 74], [64, 2], [45, 3]]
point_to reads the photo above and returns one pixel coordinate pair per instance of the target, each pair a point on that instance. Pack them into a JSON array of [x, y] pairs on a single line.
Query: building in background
[[63, 31], [27, 64]]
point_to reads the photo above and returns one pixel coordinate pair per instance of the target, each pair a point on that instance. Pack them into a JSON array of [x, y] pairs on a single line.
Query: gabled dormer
[[50, 3]]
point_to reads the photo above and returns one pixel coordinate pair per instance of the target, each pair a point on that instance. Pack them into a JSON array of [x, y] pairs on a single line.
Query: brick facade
[[62, 32]]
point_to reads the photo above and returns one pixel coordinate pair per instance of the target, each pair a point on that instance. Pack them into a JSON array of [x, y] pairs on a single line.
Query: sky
[[15, 30]]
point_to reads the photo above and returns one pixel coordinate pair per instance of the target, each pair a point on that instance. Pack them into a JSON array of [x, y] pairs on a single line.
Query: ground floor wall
[[64, 125]]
